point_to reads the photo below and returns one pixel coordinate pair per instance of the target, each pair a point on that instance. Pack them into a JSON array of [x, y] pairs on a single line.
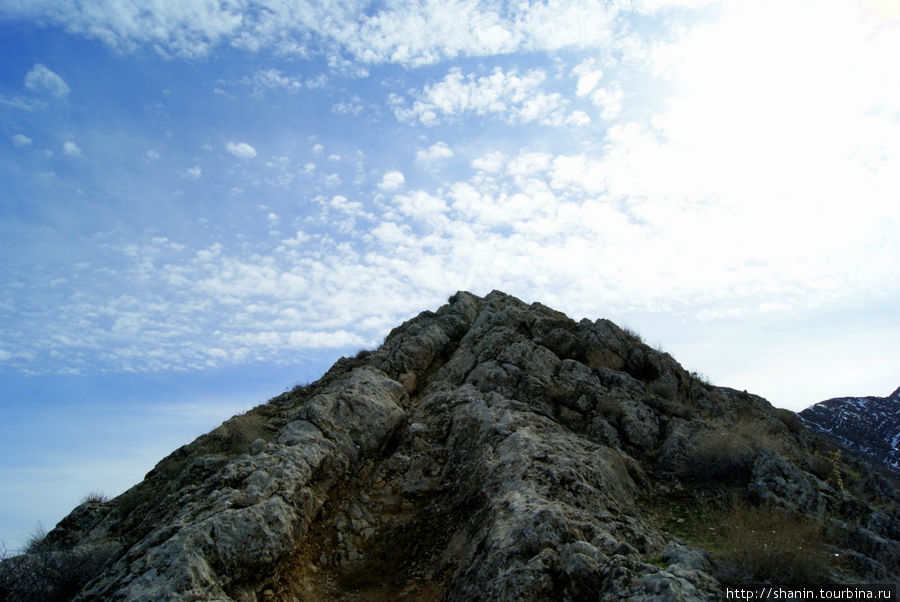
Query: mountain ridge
[[491, 449], [869, 425]]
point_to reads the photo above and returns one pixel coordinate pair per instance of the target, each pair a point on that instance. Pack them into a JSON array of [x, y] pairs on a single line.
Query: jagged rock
[[775, 481], [488, 450]]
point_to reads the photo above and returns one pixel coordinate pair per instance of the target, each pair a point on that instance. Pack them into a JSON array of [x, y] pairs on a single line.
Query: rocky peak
[[489, 450]]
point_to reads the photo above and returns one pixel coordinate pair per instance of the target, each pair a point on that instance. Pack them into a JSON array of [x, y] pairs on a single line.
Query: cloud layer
[[407, 32], [648, 158]]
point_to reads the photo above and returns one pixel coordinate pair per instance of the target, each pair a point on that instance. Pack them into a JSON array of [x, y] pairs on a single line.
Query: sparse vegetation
[[720, 455], [363, 354], [667, 389], [750, 544], [46, 573], [699, 377], [36, 542], [95, 497], [631, 335], [766, 545], [236, 434], [790, 419]]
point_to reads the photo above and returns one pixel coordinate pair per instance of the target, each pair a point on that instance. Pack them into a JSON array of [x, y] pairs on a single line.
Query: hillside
[[870, 425], [491, 450]]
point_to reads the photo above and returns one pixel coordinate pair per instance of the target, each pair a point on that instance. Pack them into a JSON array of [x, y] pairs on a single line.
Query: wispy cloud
[[192, 173], [512, 97], [44, 81], [274, 79], [408, 33], [435, 152], [71, 149], [241, 149], [20, 140]]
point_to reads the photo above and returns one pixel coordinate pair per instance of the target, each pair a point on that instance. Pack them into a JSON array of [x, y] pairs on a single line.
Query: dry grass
[[95, 497], [790, 419], [749, 544], [765, 545]]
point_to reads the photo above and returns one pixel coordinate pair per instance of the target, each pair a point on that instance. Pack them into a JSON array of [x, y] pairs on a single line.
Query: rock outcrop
[[491, 450], [869, 425]]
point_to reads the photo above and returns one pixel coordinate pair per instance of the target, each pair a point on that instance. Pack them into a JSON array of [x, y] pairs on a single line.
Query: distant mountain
[[868, 424]]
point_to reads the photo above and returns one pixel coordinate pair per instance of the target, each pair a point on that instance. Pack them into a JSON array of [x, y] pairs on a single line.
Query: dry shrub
[[95, 497], [665, 388], [790, 419], [631, 335], [46, 574], [766, 545], [236, 434], [720, 455], [822, 468]]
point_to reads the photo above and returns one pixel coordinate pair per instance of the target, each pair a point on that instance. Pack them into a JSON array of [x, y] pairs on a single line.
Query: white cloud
[[192, 173], [392, 180], [42, 80], [20, 140], [353, 106], [793, 142], [578, 119], [71, 149], [435, 152], [515, 98], [151, 154], [588, 77], [421, 205], [241, 149], [306, 339], [341, 203], [609, 100], [274, 79], [407, 33]]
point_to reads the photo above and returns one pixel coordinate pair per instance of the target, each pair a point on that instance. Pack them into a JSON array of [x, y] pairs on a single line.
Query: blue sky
[[204, 203]]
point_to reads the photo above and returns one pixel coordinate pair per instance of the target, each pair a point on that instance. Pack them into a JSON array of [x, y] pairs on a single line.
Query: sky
[[204, 203]]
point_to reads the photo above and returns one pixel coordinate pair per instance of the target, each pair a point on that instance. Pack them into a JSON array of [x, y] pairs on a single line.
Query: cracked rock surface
[[491, 450]]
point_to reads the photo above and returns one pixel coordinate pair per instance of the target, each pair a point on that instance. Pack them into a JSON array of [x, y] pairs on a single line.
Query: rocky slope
[[491, 450], [870, 425]]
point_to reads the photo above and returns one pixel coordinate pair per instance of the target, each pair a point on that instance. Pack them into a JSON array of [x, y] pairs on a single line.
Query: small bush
[[698, 377], [53, 575], [95, 497], [665, 388], [37, 540], [631, 335], [720, 455], [790, 419], [363, 354]]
